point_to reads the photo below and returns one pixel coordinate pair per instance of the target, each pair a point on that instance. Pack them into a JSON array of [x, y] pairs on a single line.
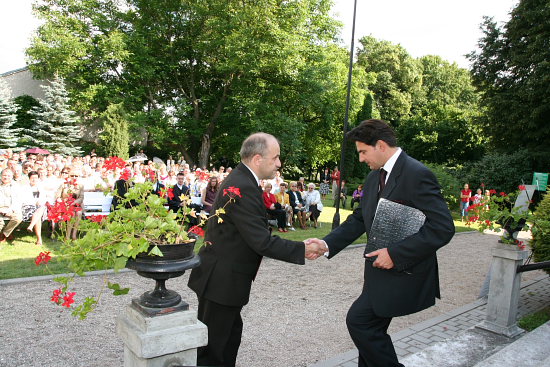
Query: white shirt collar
[[391, 162], [256, 177]]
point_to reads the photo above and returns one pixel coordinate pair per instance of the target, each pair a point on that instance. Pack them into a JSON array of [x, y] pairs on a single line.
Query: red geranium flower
[[68, 299], [43, 257], [197, 230], [521, 187], [169, 193], [125, 175], [97, 218], [113, 163], [232, 192], [502, 193], [62, 210], [56, 295], [492, 191]]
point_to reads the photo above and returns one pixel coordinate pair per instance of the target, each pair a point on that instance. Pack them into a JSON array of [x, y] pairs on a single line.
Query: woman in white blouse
[[313, 204], [34, 205]]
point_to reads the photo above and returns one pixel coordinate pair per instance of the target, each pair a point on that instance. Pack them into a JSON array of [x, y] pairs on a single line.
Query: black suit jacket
[[174, 203], [413, 283], [292, 199], [230, 263]]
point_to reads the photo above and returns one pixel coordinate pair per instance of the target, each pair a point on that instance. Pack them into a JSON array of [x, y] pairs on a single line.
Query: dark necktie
[[382, 181]]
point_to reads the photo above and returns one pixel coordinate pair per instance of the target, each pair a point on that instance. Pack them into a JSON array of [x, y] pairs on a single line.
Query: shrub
[[450, 185], [500, 171], [541, 232]]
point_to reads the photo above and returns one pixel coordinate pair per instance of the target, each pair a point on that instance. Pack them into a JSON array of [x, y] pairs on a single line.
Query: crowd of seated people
[[31, 182], [290, 202]]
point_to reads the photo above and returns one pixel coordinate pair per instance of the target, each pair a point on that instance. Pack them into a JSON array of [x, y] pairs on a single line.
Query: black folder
[[392, 223]]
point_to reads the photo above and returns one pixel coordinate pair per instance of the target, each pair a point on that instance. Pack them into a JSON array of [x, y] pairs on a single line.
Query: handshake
[[315, 248]]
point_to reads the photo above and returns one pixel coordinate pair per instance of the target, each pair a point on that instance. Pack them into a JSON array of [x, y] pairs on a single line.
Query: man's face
[[7, 176], [370, 155], [180, 179], [270, 162], [294, 187]]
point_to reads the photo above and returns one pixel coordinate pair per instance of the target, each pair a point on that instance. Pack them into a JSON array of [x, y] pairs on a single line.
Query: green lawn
[[17, 258]]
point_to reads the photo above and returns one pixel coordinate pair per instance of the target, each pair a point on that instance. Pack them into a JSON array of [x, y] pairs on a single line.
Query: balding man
[[234, 250], [10, 205]]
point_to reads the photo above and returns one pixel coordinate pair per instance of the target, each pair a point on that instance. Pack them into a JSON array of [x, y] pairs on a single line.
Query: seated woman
[[284, 200], [208, 194], [357, 195], [274, 208], [34, 207], [313, 203], [297, 204]]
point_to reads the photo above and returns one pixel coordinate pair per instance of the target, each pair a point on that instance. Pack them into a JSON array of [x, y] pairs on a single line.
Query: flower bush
[[107, 242], [497, 212]]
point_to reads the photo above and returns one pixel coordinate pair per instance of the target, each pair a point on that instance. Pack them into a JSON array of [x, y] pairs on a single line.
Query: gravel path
[[296, 316]]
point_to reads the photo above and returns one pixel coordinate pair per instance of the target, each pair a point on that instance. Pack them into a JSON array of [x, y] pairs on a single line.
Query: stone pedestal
[[502, 303], [165, 340]]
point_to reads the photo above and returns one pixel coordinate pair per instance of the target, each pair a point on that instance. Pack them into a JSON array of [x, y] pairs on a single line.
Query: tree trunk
[[204, 152]]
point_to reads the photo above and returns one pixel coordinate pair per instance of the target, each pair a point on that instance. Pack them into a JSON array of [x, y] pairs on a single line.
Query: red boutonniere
[[232, 192]]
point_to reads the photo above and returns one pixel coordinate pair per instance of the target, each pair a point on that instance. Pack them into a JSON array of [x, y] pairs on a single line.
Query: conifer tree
[[115, 132], [56, 127], [8, 117]]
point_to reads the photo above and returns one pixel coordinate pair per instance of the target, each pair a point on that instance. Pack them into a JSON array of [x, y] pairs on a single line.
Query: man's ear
[[256, 160]]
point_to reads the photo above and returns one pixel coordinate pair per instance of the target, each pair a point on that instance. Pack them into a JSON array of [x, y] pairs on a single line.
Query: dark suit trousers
[[225, 327], [369, 333], [280, 215]]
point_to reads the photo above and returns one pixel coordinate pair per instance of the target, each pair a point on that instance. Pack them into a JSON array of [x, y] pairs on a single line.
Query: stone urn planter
[[176, 259]]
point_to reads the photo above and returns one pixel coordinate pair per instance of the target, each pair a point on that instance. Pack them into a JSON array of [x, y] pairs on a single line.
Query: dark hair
[[32, 173], [211, 187], [370, 131]]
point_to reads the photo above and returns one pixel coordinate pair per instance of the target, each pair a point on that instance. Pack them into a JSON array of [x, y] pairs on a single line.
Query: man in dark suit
[[403, 278], [178, 190], [234, 249]]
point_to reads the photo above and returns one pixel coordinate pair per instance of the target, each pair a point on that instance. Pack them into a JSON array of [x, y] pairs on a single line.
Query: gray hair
[[255, 144]]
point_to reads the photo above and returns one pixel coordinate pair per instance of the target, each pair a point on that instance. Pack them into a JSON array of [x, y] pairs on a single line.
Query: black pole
[[336, 219]]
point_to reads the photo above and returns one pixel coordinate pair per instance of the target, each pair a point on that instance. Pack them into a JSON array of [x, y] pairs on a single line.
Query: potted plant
[[142, 234], [499, 212]]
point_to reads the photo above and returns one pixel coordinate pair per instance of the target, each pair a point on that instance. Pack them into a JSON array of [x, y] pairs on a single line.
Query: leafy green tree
[[443, 127], [187, 63], [397, 77], [115, 134], [512, 70], [8, 117], [56, 125]]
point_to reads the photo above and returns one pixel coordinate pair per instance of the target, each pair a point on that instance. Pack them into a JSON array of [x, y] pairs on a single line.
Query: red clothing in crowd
[[335, 176], [468, 193], [269, 199]]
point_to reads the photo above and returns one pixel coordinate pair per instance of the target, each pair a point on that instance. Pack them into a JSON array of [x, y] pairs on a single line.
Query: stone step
[[545, 363], [465, 350], [531, 350], [481, 348]]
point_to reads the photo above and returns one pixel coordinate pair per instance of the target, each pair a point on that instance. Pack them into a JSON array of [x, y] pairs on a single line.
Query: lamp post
[[336, 219]]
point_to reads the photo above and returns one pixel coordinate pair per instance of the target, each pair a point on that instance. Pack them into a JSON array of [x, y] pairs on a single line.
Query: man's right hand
[[315, 248]]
